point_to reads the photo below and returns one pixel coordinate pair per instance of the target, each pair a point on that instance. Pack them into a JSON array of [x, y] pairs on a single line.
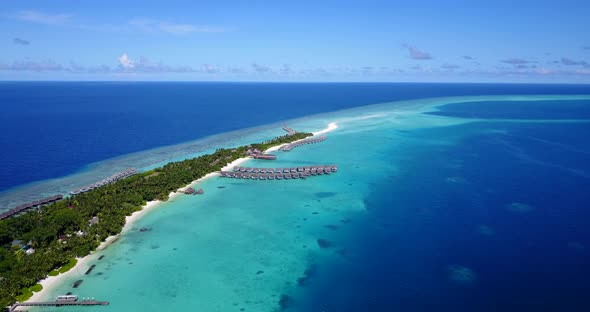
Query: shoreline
[[50, 282]]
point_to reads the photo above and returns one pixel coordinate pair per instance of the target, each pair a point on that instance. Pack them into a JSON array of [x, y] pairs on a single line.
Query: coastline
[[50, 282]]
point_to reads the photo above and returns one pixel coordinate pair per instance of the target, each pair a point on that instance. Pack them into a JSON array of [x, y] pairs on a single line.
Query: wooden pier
[[115, 177], [23, 207], [288, 147], [58, 304], [290, 131], [279, 173]]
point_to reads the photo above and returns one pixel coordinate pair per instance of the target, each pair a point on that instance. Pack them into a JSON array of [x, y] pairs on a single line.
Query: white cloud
[[42, 18], [125, 62], [155, 26]]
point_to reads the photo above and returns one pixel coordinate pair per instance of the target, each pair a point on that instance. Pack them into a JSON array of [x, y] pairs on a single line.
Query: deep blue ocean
[[496, 222], [52, 129]]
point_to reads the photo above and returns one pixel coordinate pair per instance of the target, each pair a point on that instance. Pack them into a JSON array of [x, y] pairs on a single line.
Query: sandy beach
[[83, 263]]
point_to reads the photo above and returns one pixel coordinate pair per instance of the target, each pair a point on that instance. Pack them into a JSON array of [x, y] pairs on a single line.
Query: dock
[[289, 173], [115, 177], [290, 131], [58, 304], [313, 140], [23, 207]]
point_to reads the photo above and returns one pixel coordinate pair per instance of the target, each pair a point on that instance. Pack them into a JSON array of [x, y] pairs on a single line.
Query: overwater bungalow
[[23, 207]]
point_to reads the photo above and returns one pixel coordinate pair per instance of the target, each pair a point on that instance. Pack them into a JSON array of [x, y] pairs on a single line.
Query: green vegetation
[[68, 265], [60, 231], [53, 273], [25, 294], [36, 288]]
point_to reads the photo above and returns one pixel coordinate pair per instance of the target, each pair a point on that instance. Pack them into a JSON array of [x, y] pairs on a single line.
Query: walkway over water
[[313, 140], [278, 173], [105, 181], [23, 207], [290, 131], [58, 304]]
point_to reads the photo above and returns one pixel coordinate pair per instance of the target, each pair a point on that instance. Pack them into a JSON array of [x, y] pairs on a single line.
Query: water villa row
[[105, 181], [288, 147], [23, 207], [278, 173]]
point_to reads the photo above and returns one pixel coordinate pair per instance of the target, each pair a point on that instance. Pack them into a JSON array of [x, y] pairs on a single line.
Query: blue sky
[[429, 41]]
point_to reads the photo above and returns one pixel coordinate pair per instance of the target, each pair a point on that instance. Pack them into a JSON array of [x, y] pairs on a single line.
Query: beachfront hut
[[93, 221]]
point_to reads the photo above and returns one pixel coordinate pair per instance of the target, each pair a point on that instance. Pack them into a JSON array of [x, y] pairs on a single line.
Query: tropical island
[[46, 241]]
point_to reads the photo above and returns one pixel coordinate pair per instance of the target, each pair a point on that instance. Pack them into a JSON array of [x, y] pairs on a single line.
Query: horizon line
[[295, 82]]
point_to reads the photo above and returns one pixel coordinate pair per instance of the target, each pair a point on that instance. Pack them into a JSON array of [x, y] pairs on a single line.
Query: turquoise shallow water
[[247, 245]]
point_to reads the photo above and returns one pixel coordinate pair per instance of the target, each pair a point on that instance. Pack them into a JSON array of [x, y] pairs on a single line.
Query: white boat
[[67, 298]]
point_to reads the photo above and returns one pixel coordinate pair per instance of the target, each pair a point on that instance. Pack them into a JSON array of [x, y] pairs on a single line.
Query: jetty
[[313, 140], [58, 303], [23, 207], [286, 173], [115, 177], [290, 131]]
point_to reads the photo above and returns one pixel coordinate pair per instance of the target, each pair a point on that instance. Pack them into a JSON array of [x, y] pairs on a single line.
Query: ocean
[[448, 197]]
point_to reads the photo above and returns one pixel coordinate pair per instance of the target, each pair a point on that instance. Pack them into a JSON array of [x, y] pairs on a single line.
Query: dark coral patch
[[324, 243], [307, 274], [343, 252], [325, 194], [284, 302]]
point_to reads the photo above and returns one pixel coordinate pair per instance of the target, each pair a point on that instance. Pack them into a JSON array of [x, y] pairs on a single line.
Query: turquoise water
[[271, 245]]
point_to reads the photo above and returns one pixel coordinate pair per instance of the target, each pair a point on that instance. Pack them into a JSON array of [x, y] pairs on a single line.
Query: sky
[[296, 41]]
